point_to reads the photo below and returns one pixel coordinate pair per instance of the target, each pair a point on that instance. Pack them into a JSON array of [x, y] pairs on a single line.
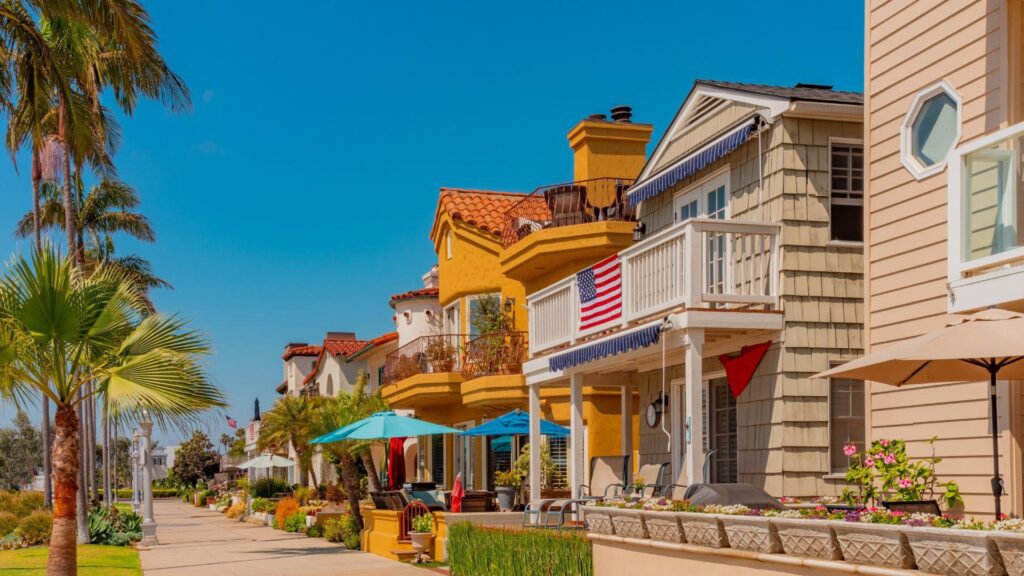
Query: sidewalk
[[198, 542]]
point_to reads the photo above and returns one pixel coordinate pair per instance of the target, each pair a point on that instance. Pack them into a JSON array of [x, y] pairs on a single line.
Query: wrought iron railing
[[414, 509], [436, 353], [498, 353], [580, 202]]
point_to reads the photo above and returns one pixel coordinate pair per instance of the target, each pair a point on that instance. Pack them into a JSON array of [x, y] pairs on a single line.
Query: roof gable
[[482, 209]]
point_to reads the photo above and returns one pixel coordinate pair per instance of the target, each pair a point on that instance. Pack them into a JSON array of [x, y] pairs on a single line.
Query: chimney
[[291, 345], [430, 279], [609, 149], [340, 336]]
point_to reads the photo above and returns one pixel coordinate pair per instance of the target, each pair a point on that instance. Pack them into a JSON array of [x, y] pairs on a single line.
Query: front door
[[722, 427], [464, 456]]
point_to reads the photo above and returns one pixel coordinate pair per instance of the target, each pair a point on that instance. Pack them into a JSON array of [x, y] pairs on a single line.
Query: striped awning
[[640, 338], [691, 164]]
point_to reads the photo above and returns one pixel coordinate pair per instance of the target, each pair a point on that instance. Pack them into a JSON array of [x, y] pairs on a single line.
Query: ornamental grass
[[481, 551]]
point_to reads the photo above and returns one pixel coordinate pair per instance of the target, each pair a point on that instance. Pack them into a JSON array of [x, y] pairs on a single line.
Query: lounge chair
[[609, 475], [653, 476]]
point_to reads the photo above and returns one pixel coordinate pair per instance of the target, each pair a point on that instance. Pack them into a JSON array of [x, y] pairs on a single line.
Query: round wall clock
[[652, 413]]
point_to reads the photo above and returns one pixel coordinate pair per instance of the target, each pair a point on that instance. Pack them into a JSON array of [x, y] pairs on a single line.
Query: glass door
[[722, 426], [464, 461]]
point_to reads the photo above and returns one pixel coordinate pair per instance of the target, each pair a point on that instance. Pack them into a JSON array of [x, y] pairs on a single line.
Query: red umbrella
[[396, 463], [458, 493]]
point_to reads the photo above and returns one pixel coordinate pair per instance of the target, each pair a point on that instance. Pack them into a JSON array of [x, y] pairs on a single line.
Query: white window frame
[[998, 277], [448, 245], [867, 439], [719, 177], [845, 201], [469, 309], [447, 328], [918, 170]]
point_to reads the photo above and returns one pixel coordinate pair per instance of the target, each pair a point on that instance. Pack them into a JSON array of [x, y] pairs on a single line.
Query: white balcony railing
[[700, 263]]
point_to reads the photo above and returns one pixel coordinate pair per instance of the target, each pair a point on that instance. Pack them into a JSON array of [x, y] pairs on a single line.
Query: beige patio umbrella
[[987, 345]]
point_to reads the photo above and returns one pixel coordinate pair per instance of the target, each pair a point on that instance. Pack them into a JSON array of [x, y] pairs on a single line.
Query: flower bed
[[871, 536]]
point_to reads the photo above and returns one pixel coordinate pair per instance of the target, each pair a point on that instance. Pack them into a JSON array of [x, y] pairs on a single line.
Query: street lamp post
[[148, 524], [135, 472]]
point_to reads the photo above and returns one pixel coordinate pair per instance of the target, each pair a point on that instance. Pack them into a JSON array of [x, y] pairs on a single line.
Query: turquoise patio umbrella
[[384, 425]]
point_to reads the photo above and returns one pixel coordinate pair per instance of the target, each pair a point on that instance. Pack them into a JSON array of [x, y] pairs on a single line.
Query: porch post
[[627, 421], [577, 470], [534, 442], [676, 428], [694, 343]]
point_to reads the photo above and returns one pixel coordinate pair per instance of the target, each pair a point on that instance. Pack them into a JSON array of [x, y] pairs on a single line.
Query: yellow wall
[[608, 149]]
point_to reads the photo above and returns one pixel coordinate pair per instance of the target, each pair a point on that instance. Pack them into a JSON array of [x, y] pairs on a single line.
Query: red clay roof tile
[[484, 209]]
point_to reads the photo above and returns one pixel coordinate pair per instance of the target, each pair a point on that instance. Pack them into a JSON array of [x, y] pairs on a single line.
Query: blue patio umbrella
[[384, 425], [515, 422]]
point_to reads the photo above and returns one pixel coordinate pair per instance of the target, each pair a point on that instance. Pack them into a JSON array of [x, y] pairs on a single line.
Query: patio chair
[[561, 510], [389, 500], [566, 204], [609, 475], [653, 475]]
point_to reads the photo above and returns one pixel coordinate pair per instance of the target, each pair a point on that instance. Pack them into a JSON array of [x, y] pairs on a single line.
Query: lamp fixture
[[639, 231]]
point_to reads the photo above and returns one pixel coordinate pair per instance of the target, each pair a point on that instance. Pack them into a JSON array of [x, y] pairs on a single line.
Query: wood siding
[[712, 127]]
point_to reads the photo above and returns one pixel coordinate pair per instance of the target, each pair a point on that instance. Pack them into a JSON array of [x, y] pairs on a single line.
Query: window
[[448, 245], [477, 306], [451, 318], [846, 420], [437, 459], [558, 447], [930, 130], [846, 168], [380, 376]]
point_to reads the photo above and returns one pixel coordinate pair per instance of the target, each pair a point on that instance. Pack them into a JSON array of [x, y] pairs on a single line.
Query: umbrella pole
[[997, 481]]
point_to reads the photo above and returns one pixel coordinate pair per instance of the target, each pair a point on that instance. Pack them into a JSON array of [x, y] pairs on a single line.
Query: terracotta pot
[[1011, 549], [955, 552], [874, 544], [703, 529], [752, 533], [663, 526], [810, 538]]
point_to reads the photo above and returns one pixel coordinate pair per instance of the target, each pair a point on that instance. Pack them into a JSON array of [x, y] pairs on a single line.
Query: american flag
[[600, 288], [231, 421]]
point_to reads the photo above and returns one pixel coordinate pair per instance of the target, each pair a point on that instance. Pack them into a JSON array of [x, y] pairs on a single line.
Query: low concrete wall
[[381, 528], [615, 555]]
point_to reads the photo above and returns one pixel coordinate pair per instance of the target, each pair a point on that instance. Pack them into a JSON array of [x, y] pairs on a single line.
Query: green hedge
[[157, 493], [479, 551]]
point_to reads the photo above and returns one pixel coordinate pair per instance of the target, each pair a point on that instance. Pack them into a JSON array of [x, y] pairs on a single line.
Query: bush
[[235, 511], [262, 505], [352, 541], [20, 504], [35, 528], [295, 522], [112, 527], [315, 531], [204, 495], [285, 508], [333, 531], [242, 485], [423, 523], [126, 493], [474, 550], [8, 522], [334, 493], [269, 488], [303, 494]]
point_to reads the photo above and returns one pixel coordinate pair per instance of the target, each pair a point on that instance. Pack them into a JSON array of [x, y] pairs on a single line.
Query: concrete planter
[[874, 544], [269, 519], [955, 552], [599, 521], [703, 529], [663, 526], [810, 538], [421, 544], [1011, 549], [627, 523], [752, 533]]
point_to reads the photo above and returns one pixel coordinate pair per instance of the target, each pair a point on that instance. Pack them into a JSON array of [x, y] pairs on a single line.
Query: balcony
[[556, 225], [493, 370], [719, 265], [986, 223], [426, 371]]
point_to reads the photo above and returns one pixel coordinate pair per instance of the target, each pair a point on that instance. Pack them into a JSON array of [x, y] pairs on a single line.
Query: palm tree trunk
[[350, 481], [373, 479], [44, 436], [62, 560], [105, 424], [69, 202], [82, 510]]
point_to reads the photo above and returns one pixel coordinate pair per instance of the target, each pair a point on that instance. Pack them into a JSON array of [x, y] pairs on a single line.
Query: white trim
[[906, 133], [469, 309], [470, 482], [446, 324]]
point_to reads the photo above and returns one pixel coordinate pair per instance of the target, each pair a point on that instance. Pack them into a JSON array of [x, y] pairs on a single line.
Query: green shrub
[[20, 504], [269, 488], [303, 495], [333, 530], [204, 495], [184, 494], [478, 551], [262, 505], [295, 522], [315, 531], [112, 527], [352, 541], [8, 522], [35, 528], [423, 523]]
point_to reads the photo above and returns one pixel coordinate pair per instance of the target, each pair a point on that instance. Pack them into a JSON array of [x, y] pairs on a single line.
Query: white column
[[694, 343], [677, 414], [136, 502], [577, 469], [627, 422], [535, 443], [148, 524]]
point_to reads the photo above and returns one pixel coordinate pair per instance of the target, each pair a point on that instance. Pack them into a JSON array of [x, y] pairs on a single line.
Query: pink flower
[[849, 449], [884, 443], [889, 459], [869, 462], [905, 483]]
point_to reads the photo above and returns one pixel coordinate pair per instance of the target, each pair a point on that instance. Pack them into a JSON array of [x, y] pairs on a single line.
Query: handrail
[[496, 353], [433, 353]]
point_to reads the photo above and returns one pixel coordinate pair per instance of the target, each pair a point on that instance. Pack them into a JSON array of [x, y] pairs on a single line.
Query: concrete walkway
[[199, 542]]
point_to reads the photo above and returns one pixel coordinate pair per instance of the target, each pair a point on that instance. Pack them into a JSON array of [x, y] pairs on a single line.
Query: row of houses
[[673, 306]]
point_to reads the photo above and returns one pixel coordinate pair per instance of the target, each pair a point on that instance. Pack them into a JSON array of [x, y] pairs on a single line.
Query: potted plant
[[440, 354], [422, 536], [506, 485]]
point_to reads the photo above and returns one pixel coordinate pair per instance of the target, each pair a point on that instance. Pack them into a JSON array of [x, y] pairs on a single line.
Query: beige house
[[944, 107], [749, 232]]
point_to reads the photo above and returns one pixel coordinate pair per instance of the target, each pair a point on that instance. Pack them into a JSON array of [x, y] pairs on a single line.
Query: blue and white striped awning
[[634, 340], [691, 164]]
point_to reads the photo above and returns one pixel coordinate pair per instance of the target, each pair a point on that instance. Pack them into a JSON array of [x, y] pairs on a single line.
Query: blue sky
[[298, 194]]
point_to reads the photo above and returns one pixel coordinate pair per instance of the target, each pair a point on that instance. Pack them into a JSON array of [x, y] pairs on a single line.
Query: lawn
[[123, 506], [93, 560]]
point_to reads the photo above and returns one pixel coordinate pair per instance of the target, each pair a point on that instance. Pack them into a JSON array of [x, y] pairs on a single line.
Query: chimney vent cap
[[622, 113], [597, 117]]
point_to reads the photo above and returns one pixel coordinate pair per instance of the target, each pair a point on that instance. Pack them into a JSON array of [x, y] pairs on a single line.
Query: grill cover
[[728, 494]]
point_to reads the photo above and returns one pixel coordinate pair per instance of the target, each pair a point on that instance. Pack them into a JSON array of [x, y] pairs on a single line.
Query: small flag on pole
[[600, 288], [231, 421]]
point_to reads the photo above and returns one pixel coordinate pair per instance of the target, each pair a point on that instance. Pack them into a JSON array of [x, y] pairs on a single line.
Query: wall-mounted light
[[639, 231], [510, 305]]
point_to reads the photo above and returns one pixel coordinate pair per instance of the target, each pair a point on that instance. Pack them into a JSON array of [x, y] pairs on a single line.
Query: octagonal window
[[934, 129]]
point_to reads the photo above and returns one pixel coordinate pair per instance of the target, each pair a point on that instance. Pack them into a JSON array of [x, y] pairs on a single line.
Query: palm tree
[[225, 441], [60, 330], [291, 422], [342, 410]]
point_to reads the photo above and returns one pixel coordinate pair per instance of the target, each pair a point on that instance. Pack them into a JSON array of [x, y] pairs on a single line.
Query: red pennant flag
[[740, 369]]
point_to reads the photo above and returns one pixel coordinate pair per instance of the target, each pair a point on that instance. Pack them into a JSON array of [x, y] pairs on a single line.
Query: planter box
[[627, 523], [810, 538], [955, 552], [663, 526], [269, 519], [703, 529], [874, 544], [598, 519], [1011, 549], [752, 533]]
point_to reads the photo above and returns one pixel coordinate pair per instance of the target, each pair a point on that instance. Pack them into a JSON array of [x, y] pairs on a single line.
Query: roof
[[311, 350], [343, 348], [808, 92], [421, 293], [484, 209], [376, 343], [282, 387]]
